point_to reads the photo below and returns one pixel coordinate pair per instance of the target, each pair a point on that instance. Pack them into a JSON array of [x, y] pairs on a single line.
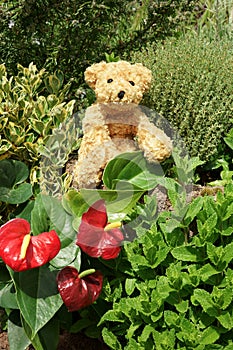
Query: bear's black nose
[[121, 94]]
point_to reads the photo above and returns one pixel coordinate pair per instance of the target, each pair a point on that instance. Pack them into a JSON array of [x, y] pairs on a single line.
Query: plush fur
[[115, 123]]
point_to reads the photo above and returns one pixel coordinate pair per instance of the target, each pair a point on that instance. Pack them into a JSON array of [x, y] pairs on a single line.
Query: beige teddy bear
[[115, 123]]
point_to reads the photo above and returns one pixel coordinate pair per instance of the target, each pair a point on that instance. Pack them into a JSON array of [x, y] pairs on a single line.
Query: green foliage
[[31, 297], [214, 19], [32, 104], [192, 88], [176, 293], [69, 35]]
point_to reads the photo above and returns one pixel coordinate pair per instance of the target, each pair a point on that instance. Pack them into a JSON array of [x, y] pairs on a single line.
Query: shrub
[[33, 103], [70, 34], [192, 88], [177, 288]]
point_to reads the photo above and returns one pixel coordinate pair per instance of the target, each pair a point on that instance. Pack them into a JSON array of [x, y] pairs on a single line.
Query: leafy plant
[[190, 90], [176, 293], [46, 32], [32, 104]]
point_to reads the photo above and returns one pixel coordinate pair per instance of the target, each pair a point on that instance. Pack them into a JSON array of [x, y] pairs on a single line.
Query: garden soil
[[67, 342]]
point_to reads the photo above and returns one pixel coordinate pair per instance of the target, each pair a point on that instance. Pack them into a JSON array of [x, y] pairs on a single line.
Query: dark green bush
[[192, 88], [69, 35]]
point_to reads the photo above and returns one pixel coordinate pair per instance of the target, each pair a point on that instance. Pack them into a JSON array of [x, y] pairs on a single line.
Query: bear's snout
[[121, 94]]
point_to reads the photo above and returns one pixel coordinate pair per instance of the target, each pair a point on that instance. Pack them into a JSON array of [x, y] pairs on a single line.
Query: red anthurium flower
[[96, 237], [79, 290], [21, 251]]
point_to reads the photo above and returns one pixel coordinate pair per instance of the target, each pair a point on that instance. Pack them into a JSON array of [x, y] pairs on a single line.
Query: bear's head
[[120, 81]]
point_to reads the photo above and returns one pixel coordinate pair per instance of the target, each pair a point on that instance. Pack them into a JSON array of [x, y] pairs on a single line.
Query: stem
[[86, 273]]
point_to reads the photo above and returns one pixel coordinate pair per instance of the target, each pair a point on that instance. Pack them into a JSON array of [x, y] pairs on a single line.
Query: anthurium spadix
[[96, 237], [79, 290], [20, 250]]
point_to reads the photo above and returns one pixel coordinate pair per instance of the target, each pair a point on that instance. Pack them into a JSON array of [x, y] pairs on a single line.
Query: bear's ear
[[92, 72], [145, 75]]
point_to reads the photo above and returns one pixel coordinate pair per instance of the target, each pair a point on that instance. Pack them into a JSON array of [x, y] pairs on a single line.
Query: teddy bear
[[115, 123]]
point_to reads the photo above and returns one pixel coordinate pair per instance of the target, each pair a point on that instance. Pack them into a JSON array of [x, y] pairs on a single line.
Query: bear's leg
[[96, 150]]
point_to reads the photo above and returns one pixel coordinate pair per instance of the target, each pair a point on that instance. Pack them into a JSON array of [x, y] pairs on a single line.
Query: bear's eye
[[132, 82], [109, 80]]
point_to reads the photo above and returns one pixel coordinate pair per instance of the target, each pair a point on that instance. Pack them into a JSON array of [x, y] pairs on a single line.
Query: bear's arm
[[155, 144]]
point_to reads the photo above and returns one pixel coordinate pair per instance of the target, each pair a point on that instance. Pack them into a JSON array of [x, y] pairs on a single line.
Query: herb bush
[[177, 287], [192, 88]]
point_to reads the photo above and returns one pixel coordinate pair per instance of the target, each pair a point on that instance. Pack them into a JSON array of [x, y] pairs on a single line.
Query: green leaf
[[67, 256], [8, 297], [12, 172], [130, 285], [131, 168], [39, 217], [194, 207], [117, 201], [74, 203], [207, 271], [37, 296], [226, 320], [110, 339], [209, 336], [17, 337], [182, 307], [112, 316], [49, 214], [202, 297], [43, 339], [17, 195], [189, 253]]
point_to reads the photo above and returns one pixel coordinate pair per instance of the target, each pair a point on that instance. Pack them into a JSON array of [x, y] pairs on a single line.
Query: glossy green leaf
[[17, 337], [17, 195], [131, 168], [49, 214], [37, 296], [8, 296], [12, 172]]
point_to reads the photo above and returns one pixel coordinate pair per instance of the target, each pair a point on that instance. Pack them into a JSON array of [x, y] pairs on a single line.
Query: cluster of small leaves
[[177, 292], [32, 104], [69, 35], [192, 88]]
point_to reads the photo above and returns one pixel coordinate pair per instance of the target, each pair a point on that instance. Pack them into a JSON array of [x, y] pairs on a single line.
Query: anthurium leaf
[[132, 168], [117, 201], [74, 203], [37, 296], [49, 214], [43, 339], [60, 220], [17, 195], [8, 297], [67, 256], [17, 337], [39, 217], [12, 172]]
